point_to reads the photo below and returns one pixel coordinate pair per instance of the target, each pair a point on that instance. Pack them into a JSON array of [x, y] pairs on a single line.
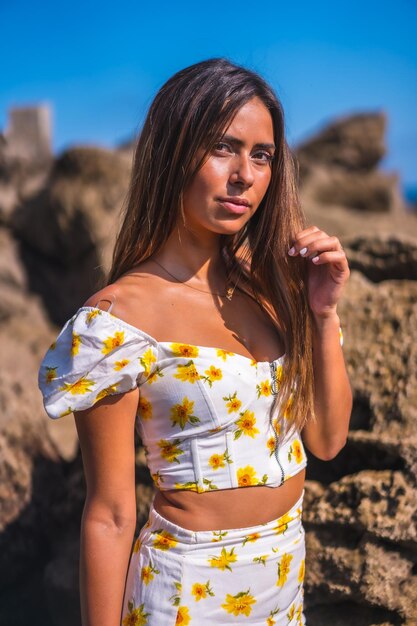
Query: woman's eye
[[265, 157], [222, 147]]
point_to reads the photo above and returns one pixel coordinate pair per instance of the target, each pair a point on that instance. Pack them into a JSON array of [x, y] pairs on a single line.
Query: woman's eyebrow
[[240, 143]]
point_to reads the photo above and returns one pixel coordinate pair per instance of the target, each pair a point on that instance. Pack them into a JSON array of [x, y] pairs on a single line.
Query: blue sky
[[99, 64]]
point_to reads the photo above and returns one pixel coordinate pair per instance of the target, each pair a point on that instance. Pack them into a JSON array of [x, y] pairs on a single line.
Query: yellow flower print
[[191, 486], [147, 360], [137, 545], [182, 413], [50, 374], [184, 349], [136, 616], [254, 363], [218, 535], [246, 476], [251, 538], [287, 410], [200, 591], [91, 315], [261, 560], [121, 364], [108, 391], [183, 616], [75, 344], [284, 569], [277, 426], [282, 523], [296, 451], [341, 336], [164, 540], [264, 388], [233, 403], [246, 425], [80, 387], [270, 621], [67, 412], [291, 612], [170, 450], [301, 572], [147, 573], [208, 486], [187, 373], [212, 374], [157, 478], [153, 377], [224, 559], [299, 614], [240, 604], [218, 460], [113, 341], [176, 597], [144, 408], [223, 354], [270, 444], [278, 374]]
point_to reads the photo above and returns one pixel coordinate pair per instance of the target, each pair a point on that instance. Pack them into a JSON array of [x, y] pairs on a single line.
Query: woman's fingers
[[314, 243], [337, 258]]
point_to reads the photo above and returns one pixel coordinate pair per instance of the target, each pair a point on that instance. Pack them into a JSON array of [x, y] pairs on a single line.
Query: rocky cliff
[[56, 232]]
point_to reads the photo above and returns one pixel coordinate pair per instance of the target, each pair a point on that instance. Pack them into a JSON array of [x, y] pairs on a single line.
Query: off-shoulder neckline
[[157, 343]]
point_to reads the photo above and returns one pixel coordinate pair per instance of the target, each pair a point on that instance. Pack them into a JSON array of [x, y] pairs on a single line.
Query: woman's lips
[[234, 207]]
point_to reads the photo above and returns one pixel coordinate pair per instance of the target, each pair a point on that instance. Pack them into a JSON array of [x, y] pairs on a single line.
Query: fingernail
[[303, 251], [291, 251], [315, 259]]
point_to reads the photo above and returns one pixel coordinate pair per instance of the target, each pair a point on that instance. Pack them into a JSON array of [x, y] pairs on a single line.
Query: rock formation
[[66, 230], [360, 510]]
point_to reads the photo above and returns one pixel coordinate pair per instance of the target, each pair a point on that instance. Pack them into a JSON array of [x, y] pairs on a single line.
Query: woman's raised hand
[[328, 269]]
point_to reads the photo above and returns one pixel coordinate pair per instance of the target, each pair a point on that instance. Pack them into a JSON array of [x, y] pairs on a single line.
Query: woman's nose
[[242, 172]]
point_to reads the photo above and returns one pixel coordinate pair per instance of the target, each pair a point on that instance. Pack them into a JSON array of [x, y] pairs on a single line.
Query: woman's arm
[[332, 392], [327, 273], [106, 434]]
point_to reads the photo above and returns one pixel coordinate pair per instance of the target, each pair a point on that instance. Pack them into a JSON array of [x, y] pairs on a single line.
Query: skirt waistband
[[285, 524]]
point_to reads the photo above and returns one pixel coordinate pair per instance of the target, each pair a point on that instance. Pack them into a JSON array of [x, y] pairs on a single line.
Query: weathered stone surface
[[380, 324], [350, 554], [12, 270], [391, 257], [361, 517], [68, 229], [338, 169], [373, 192], [354, 143], [31, 472], [19, 179], [379, 503]]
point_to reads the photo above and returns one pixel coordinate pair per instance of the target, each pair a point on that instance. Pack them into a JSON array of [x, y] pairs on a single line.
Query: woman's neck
[[189, 257]]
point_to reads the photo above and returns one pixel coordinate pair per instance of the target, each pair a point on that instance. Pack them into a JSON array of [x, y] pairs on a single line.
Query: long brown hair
[[191, 111]]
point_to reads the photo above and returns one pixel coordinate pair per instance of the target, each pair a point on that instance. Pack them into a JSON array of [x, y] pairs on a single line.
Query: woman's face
[[228, 188]]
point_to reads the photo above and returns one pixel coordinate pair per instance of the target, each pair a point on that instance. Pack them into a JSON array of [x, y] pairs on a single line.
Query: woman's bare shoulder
[[104, 298], [123, 295]]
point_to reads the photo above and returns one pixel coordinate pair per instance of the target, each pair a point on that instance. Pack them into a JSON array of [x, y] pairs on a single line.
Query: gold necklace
[[229, 292]]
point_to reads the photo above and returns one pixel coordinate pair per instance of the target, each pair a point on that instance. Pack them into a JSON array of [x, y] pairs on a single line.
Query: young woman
[[217, 336]]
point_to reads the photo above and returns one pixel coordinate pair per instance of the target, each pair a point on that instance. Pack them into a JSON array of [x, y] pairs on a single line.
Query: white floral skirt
[[251, 575]]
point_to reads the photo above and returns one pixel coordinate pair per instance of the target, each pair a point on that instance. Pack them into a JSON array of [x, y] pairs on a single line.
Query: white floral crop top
[[203, 413]]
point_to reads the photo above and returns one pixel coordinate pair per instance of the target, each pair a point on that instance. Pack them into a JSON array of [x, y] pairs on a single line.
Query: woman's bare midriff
[[229, 508]]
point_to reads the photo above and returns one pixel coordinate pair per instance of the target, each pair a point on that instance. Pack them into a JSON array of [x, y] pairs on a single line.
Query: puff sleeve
[[95, 355]]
